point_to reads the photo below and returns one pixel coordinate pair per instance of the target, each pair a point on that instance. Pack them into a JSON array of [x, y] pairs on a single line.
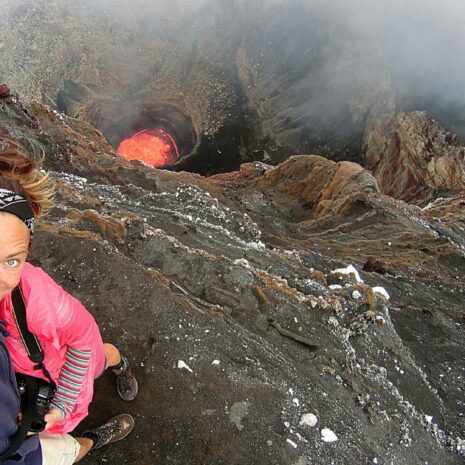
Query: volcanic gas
[[153, 146]]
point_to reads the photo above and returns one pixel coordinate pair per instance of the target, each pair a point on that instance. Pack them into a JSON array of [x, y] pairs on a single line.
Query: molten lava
[[153, 146]]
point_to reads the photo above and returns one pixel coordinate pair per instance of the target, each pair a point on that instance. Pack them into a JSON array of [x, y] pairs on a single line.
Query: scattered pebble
[[380, 290], [239, 411], [328, 436], [356, 295], [308, 419], [292, 443], [215, 362], [368, 315], [182, 364]]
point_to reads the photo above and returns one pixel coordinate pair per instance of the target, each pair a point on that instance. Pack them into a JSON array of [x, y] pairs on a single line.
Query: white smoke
[[422, 41]]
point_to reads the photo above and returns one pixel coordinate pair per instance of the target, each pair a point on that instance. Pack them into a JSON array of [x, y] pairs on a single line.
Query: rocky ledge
[[413, 158]]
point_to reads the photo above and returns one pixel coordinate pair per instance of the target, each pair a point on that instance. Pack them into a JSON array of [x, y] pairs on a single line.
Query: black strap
[[34, 351], [31, 343], [26, 421]]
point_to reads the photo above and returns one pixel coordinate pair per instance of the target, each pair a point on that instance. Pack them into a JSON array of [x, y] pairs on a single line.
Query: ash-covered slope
[[218, 289]]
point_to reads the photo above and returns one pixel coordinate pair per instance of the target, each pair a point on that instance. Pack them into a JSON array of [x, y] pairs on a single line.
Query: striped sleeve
[[70, 380]]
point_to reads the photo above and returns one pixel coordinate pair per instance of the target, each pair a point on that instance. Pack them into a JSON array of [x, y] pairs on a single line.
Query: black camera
[[42, 391]]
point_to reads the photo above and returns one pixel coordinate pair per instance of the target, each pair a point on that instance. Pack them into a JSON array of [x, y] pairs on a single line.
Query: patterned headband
[[13, 203]]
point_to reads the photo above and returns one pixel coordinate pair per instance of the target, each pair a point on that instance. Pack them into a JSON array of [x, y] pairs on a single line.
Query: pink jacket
[[58, 320]]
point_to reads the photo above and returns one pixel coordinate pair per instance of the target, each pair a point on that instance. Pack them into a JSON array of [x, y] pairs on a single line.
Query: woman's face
[[14, 245]]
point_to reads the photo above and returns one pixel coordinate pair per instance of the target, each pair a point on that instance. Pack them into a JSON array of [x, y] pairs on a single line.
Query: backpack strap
[[31, 343]]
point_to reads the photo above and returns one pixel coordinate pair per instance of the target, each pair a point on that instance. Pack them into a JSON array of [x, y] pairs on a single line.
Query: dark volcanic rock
[[183, 272]]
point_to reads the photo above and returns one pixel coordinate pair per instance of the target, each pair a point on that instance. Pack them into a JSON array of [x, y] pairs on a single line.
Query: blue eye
[[12, 262]]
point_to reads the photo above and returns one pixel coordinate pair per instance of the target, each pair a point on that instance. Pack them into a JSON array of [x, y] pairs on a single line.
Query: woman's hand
[[52, 417]]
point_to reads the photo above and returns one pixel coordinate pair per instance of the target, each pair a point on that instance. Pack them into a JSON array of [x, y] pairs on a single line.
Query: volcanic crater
[[290, 287]]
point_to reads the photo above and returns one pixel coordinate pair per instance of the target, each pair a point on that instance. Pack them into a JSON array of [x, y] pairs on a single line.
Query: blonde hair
[[21, 174]]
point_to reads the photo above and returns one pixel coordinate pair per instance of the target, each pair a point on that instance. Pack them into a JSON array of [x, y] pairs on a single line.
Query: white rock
[[292, 443], [308, 419], [328, 436], [215, 362], [335, 286], [349, 270], [380, 290], [182, 364], [242, 262], [356, 295]]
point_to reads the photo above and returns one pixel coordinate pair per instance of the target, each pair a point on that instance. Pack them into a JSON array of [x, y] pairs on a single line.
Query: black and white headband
[[13, 203]]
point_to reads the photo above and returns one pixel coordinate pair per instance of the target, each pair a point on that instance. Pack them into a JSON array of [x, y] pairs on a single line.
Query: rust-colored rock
[[320, 186], [319, 276], [374, 265], [4, 91], [415, 158], [110, 229], [259, 294]]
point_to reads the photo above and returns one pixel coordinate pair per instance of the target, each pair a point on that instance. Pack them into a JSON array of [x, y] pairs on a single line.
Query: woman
[[46, 449], [70, 339]]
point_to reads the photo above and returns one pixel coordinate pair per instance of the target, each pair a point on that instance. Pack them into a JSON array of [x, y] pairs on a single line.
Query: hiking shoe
[[126, 383], [113, 430]]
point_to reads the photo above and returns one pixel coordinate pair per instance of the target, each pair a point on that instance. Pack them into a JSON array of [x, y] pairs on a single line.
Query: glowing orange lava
[[154, 146]]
